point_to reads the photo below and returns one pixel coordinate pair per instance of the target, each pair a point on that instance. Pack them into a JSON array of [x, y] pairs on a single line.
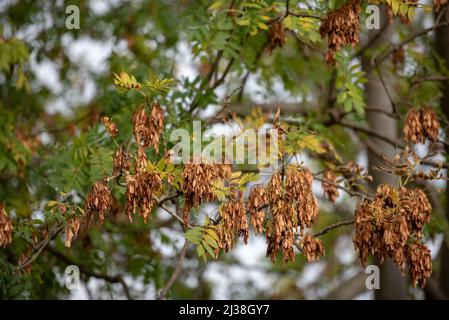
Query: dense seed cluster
[[5, 228], [421, 124], [198, 186], [120, 162], [292, 205], [330, 185], [419, 263], [257, 201], [148, 129], [98, 200], [233, 213], [385, 226], [276, 36], [341, 26], [312, 248], [71, 230], [141, 187]]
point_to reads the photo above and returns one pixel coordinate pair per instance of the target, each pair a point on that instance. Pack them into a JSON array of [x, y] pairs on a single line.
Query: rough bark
[[442, 46], [392, 283]]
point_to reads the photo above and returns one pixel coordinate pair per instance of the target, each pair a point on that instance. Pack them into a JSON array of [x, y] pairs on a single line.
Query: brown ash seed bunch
[[272, 243], [307, 205], [415, 206], [278, 242], [226, 237], [275, 188], [98, 199], [385, 226], [439, 4], [257, 200], [341, 26], [279, 234], [120, 162], [71, 230], [110, 126], [199, 179], [276, 36], [140, 190], [140, 127], [312, 248], [421, 124], [156, 125], [419, 262], [330, 185], [391, 226], [6, 228], [365, 240], [233, 213], [430, 123], [198, 186]]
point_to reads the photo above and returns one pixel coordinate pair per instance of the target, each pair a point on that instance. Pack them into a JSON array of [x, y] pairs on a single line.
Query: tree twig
[[176, 273]]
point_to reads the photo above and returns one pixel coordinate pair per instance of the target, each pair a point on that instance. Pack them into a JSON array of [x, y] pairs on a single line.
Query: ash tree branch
[[176, 273], [90, 273]]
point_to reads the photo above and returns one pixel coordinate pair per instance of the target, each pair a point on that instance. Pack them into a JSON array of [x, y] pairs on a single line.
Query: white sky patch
[[88, 53]]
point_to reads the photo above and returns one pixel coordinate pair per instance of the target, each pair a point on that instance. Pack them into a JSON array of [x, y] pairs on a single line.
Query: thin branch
[[176, 273], [384, 56], [170, 212], [387, 91], [373, 133], [333, 226], [40, 248], [84, 270]]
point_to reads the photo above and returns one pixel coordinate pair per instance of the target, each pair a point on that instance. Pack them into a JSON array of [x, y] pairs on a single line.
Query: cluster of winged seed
[[341, 26], [5, 228], [312, 248], [330, 185], [276, 36], [141, 188], [148, 129], [257, 201], [98, 199], [389, 224], [292, 204], [421, 124], [198, 185]]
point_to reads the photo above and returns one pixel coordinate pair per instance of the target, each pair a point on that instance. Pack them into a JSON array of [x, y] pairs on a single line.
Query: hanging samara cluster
[[141, 185], [390, 227]]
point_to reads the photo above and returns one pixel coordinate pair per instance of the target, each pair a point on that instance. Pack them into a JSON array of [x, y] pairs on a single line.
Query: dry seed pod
[[98, 199], [71, 230], [276, 36], [430, 123], [140, 127], [5, 228], [156, 125], [421, 124], [330, 185], [257, 200], [120, 162], [419, 261], [199, 179], [226, 238], [341, 26], [140, 190], [416, 208], [312, 248], [110, 126]]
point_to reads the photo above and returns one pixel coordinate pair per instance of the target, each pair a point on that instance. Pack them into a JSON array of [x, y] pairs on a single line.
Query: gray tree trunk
[[392, 283], [442, 46]]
